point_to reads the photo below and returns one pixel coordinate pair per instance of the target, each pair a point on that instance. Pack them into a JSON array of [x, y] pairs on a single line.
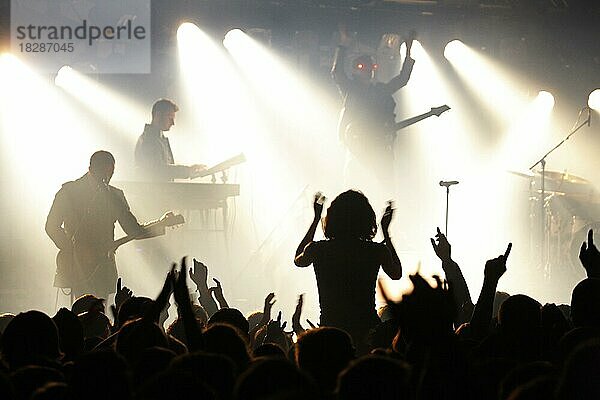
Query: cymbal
[[523, 174], [565, 177]]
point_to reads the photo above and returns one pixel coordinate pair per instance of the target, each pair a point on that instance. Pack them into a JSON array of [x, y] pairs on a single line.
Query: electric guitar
[[356, 137], [437, 111], [80, 262]]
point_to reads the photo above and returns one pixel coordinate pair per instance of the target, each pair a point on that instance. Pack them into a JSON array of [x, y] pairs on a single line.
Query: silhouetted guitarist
[[81, 223]]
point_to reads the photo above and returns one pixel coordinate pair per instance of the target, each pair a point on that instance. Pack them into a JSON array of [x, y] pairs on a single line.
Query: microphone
[[448, 183], [103, 184]]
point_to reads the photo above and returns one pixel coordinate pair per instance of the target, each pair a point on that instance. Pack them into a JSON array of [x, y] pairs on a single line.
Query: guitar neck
[[150, 233], [413, 120], [125, 239]]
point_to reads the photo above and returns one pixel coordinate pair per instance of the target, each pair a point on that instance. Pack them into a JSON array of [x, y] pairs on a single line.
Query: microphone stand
[[447, 202], [542, 161], [447, 185]]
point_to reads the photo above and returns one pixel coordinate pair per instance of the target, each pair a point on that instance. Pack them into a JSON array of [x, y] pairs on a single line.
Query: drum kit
[[564, 208], [571, 207]]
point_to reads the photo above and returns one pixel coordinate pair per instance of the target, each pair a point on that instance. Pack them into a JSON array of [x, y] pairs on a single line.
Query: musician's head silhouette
[[363, 68], [102, 165], [163, 114]]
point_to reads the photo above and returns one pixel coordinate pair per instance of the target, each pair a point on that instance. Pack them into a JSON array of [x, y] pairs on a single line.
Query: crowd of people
[[436, 343]]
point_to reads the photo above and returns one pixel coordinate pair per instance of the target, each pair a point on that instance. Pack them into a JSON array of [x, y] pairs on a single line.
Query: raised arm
[[199, 275], [482, 314], [266, 316], [590, 256], [390, 261], [454, 276], [339, 59], [162, 300], [122, 294], [193, 332], [275, 333], [296, 324], [304, 256], [400, 80], [217, 293]]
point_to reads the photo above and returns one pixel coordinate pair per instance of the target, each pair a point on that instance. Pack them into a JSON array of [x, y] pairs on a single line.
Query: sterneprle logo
[[99, 36]]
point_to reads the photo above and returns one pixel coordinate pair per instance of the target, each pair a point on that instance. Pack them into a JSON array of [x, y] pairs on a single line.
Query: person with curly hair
[[346, 264]]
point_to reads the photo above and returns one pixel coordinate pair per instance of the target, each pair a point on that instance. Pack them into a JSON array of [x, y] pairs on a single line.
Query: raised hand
[[318, 201], [180, 289], [441, 246], [275, 332], [184, 307], [276, 326], [296, 325], [590, 256], [122, 294], [162, 300], [386, 219], [496, 267], [409, 42], [199, 274], [269, 301], [217, 292]]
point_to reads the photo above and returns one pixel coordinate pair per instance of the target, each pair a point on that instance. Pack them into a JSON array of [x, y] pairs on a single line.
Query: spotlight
[[545, 100], [232, 36], [186, 32], [454, 49], [63, 75], [594, 100]]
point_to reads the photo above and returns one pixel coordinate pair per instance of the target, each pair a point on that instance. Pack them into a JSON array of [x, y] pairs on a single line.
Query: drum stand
[[545, 261]]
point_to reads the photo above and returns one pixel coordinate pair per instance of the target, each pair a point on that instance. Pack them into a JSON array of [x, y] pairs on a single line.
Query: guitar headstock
[[437, 111], [171, 219]]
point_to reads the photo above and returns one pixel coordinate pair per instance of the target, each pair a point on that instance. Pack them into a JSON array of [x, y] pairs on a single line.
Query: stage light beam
[[594, 100], [119, 112], [502, 91]]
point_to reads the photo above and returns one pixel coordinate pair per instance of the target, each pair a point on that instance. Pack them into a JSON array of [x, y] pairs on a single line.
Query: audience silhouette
[[433, 344]]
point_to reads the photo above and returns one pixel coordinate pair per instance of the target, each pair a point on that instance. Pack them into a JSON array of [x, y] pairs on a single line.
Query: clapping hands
[[318, 201], [386, 219]]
